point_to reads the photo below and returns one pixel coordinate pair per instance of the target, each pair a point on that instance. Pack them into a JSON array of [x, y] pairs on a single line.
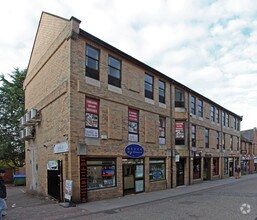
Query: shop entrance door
[[180, 166], [207, 169], [133, 176], [231, 167], [54, 179]]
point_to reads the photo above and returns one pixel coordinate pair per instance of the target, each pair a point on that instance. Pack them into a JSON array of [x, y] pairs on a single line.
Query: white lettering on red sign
[[133, 115], [92, 106]]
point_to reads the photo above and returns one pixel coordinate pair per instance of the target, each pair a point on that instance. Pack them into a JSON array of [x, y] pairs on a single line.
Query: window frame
[[91, 115], [149, 93], [179, 98], [212, 113], [133, 117], [193, 135], [207, 138], [162, 129], [193, 105], [112, 80], [96, 160], [200, 108], [162, 90], [156, 161], [91, 72]]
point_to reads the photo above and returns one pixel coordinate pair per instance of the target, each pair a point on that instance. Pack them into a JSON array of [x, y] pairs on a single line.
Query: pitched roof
[[247, 135]]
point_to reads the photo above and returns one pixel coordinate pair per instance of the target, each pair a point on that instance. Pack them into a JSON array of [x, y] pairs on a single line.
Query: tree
[[12, 149]]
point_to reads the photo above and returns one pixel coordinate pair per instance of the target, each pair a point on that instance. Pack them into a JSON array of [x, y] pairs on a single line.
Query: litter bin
[[19, 179]]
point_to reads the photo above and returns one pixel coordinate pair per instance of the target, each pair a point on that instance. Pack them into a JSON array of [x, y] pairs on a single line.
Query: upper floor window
[[200, 108], [114, 74], [223, 119], [193, 134], [217, 115], [193, 99], [92, 62], [227, 120], [224, 141], [179, 133], [161, 91], [162, 135], [179, 98], [237, 144], [238, 125], [217, 139], [206, 138], [133, 125], [231, 142], [234, 122], [148, 86], [212, 113], [92, 118]]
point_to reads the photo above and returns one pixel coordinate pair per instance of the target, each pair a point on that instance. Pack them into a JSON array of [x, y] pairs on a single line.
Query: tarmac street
[[220, 199]]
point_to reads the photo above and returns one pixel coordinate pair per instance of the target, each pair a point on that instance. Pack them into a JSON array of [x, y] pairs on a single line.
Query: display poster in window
[[92, 133], [179, 130], [91, 120], [68, 190], [162, 141], [162, 131], [139, 170], [139, 185], [91, 106], [133, 115], [133, 137], [133, 127]]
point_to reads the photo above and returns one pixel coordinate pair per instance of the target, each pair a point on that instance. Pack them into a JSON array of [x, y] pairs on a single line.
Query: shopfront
[[207, 167]]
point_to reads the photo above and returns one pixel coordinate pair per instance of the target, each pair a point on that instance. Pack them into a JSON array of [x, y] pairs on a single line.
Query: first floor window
[[133, 125], [92, 118], [197, 168], [179, 133], [157, 169], [215, 166], [101, 173], [162, 130]]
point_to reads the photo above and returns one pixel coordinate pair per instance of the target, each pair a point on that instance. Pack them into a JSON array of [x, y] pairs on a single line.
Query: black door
[[180, 171], [207, 169], [54, 179]]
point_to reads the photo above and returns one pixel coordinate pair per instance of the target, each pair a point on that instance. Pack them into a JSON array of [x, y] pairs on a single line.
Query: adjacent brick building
[[114, 125]]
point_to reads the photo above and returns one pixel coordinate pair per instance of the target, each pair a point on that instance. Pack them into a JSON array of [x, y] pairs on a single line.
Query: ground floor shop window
[[101, 173], [197, 168], [225, 166], [157, 169], [215, 166]]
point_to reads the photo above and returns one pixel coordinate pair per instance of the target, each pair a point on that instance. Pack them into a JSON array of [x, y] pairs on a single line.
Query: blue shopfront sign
[[134, 150]]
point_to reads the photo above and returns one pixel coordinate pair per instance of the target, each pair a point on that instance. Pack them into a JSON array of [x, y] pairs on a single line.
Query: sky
[[209, 46]]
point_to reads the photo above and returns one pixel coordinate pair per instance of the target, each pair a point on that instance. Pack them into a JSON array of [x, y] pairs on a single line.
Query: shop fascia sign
[[61, 147], [134, 150]]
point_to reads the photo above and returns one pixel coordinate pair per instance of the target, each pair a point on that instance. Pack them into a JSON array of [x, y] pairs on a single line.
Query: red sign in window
[[91, 106], [133, 115]]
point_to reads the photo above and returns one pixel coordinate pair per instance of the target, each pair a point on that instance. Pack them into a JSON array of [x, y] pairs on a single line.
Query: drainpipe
[[188, 138], [222, 156], [171, 139]]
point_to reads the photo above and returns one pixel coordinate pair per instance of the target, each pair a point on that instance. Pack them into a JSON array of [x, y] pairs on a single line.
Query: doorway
[[207, 169], [133, 176], [54, 179], [180, 166]]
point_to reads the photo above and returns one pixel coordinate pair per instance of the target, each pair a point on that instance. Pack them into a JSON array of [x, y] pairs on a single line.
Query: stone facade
[[57, 87]]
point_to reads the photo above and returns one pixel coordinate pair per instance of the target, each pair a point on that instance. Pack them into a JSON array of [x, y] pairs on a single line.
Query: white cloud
[[210, 46]]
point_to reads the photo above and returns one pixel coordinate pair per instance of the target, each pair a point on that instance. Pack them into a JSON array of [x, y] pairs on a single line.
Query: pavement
[[22, 205]]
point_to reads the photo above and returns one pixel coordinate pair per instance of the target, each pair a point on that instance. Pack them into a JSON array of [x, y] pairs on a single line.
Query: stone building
[[114, 125], [249, 151]]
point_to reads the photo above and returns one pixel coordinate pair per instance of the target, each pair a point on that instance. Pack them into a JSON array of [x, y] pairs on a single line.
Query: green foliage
[[12, 150]]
